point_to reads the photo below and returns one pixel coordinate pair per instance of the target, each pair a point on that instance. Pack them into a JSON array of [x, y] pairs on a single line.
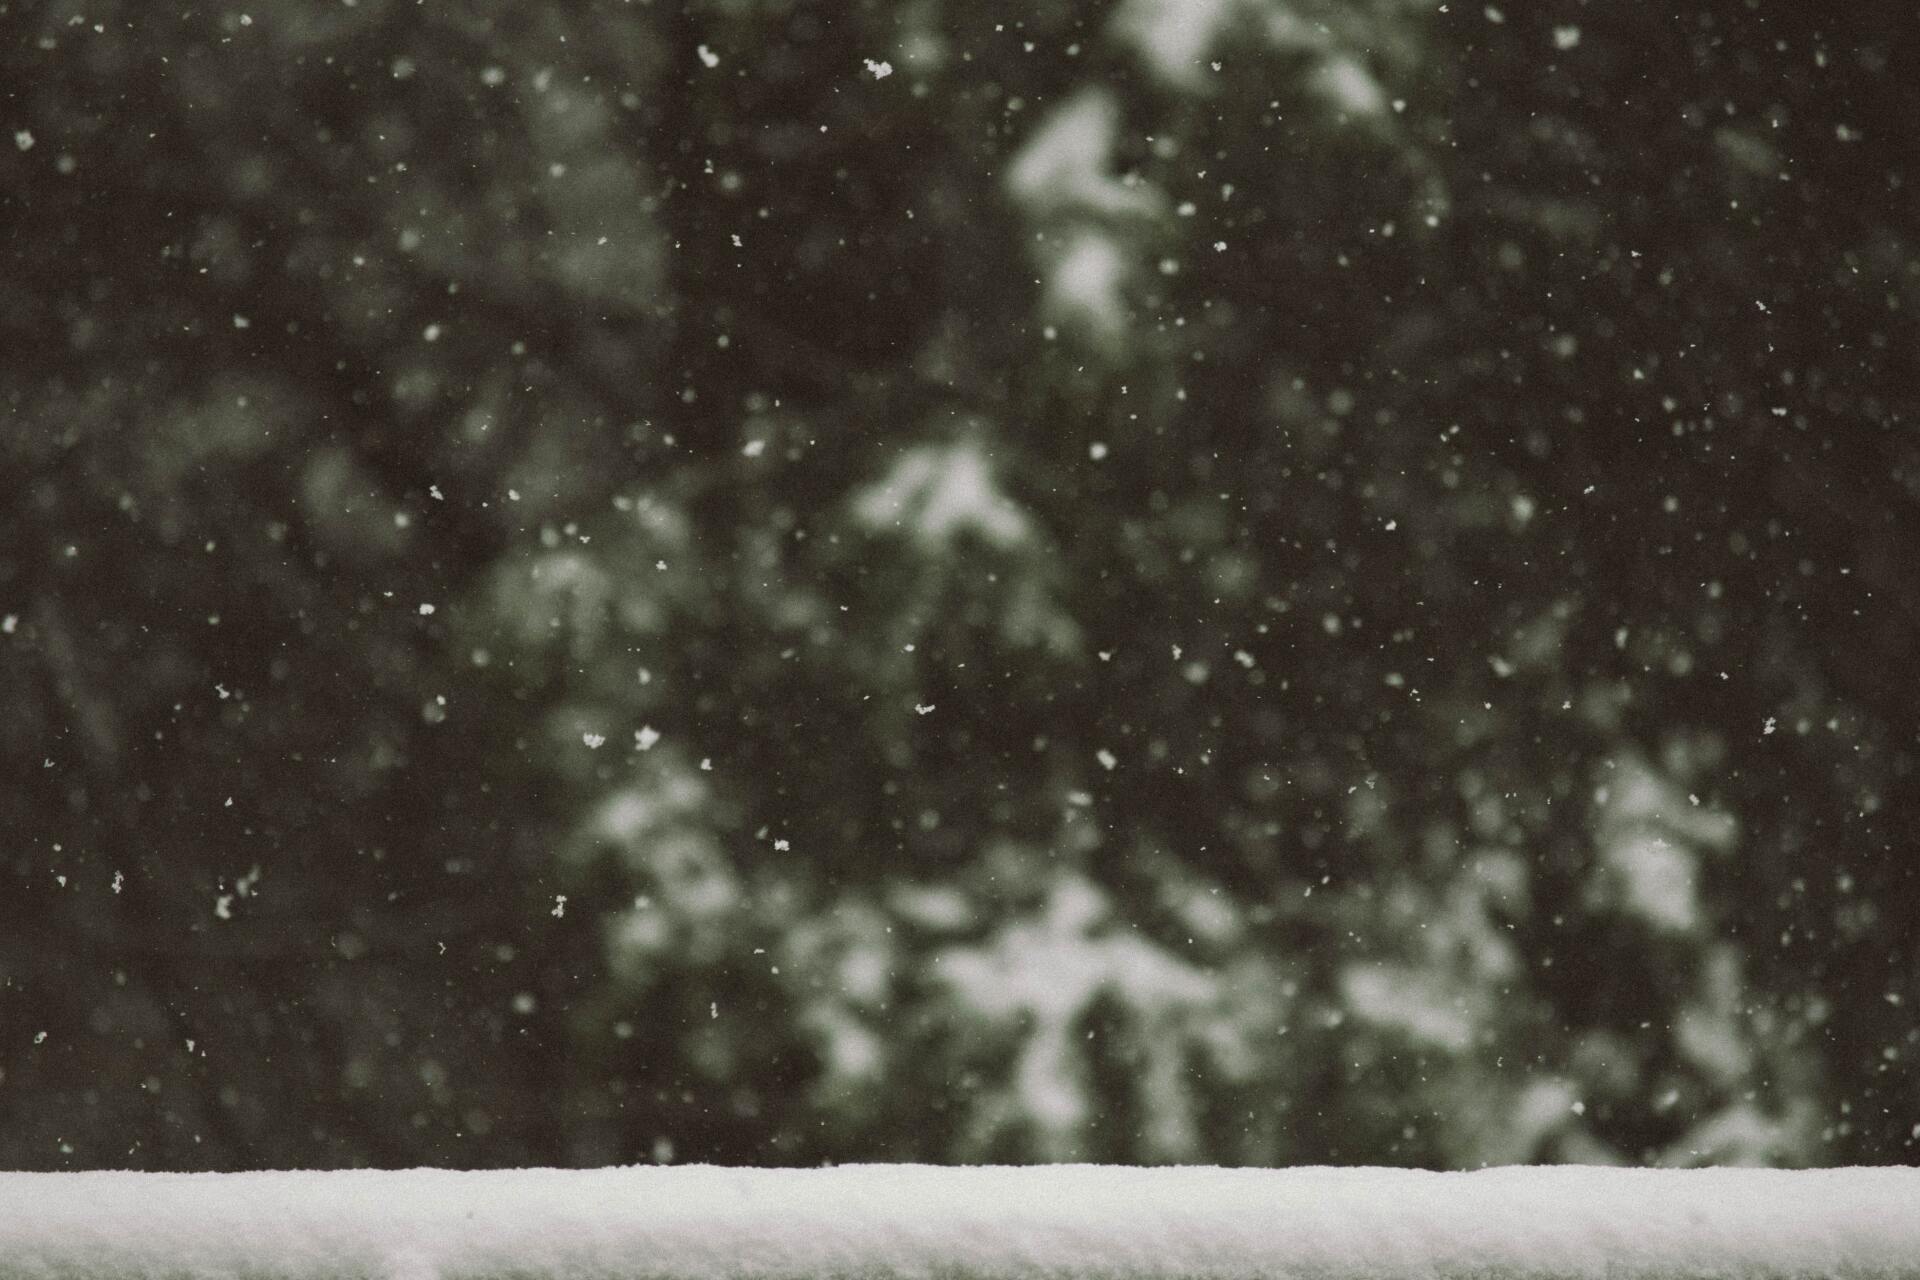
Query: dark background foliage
[[1255, 581]]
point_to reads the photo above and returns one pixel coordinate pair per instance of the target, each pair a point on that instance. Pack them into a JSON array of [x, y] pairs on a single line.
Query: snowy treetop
[[1083, 1222]]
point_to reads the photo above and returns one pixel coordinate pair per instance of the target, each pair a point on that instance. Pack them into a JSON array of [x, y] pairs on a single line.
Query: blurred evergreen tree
[[1195, 580]]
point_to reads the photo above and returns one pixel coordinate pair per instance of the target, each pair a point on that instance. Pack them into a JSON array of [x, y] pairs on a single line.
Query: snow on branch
[[881, 1222]]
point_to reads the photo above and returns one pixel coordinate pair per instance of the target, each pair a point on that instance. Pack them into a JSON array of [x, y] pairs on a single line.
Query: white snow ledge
[[879, 1222]]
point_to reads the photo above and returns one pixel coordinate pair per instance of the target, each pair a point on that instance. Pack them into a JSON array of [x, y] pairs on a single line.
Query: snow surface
[[875, 1221]]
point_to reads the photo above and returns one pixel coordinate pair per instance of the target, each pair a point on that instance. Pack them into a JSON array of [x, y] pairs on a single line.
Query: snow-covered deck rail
[[895, 1222]]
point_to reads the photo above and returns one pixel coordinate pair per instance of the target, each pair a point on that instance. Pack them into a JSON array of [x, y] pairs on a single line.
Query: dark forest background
[[1251, 581]]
